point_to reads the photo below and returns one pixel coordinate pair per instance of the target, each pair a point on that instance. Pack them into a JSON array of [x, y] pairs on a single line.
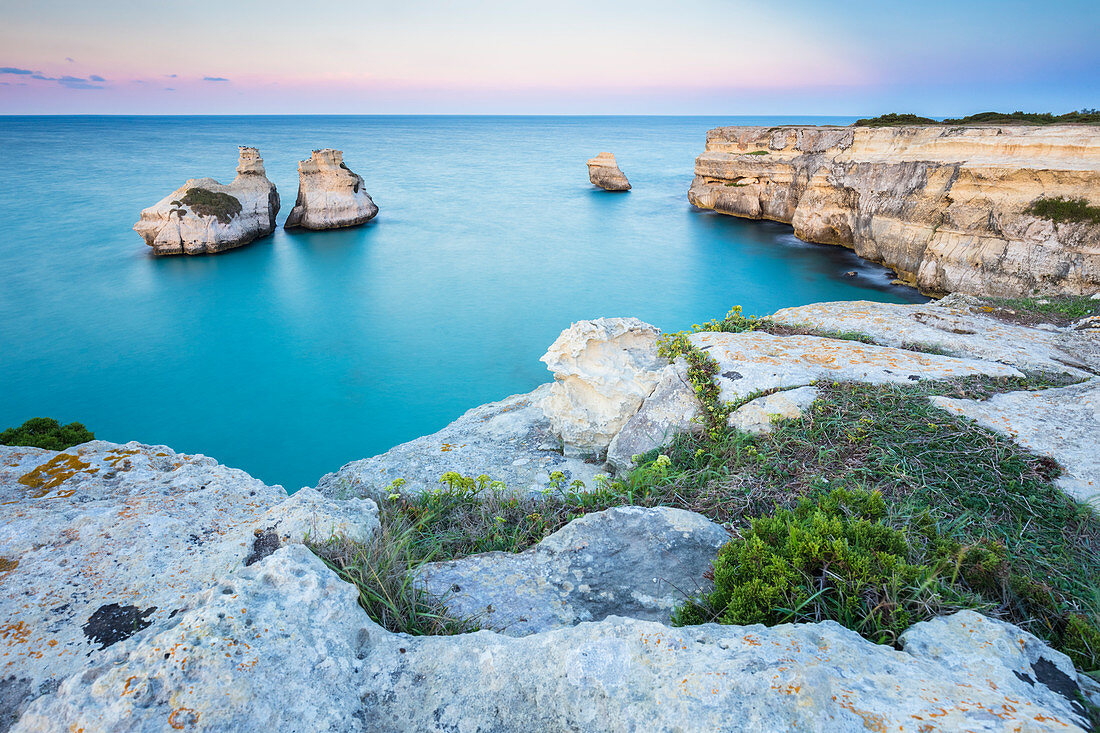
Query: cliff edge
[[948, 208]]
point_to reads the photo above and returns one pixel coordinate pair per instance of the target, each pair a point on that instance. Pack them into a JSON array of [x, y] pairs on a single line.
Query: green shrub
[[205, 202], [837, 559], [1061, 209], [894, 119], [45, 432]]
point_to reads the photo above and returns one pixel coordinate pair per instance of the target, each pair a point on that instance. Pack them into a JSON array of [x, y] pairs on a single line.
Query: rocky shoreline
[[148, 590], [947, 208]]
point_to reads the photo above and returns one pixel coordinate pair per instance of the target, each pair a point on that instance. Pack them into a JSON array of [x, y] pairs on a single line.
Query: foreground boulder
[[627, 561], [1062, 423], [947, 208], [330, 195], [282, 645], [102, 540], [603, 369], [203, 216], [510, 441], [604, 172]]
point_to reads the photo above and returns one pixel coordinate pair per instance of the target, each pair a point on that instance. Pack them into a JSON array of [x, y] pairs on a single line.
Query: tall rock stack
[[330, 195], [204, 217]]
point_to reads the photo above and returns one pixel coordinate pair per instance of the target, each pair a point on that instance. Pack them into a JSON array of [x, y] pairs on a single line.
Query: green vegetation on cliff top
[[874, 509], [893, 119], [205, 202], [45, 432]]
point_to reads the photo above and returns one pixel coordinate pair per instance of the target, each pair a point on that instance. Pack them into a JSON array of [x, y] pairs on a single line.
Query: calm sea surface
[[300, 352]]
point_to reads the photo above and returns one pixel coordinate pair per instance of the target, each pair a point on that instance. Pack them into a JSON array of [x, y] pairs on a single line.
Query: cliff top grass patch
[[1057, 309], [205, 202], [893, 119], [1061, 209], [45, 432]]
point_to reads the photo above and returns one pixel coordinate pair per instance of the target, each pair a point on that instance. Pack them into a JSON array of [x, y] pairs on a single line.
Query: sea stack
[[604, 172], [330, 195], [205, 217]]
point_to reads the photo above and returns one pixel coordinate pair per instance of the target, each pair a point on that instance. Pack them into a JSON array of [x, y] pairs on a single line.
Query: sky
[[776, 57]]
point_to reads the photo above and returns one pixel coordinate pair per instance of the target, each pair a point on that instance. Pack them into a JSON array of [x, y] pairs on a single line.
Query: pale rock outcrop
[[755, 361], [668, 411], [330, 195], [510, 441], [101, 540], [759, 415], [604, 172], [1062, 423], [945, 207], [603, 370], [282, 645], [959, 325], [203, 216], [627, 561]]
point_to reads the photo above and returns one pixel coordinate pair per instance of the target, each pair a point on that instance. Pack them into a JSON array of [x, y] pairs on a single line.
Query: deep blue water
[[302, 351]]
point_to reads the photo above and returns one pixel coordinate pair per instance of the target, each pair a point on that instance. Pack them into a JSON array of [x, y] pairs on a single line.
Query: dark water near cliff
[[303, 351]]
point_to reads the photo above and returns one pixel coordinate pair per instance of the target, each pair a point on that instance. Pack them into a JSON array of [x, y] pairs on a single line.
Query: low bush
[[45, 432], [1062, 209], [205, 202]]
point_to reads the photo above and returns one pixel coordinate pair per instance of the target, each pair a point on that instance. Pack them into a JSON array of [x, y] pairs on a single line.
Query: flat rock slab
[[509, 441], [1062, 423], [281, 645], [627, 561], [759, 415], [755, 361], [102, 540], [958, 325]]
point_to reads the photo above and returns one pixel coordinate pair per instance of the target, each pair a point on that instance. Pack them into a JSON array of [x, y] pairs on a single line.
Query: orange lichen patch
[[16, 633], [7, 565], [54, 472], [871, 721], [118, 455], [788, 689], [447, 447], [182, 717], [129, 681]]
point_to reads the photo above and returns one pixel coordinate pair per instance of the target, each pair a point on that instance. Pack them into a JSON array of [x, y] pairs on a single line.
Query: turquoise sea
[[302, 351]]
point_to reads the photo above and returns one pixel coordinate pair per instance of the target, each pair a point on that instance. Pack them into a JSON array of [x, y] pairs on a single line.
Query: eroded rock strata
[[604, 172], [204, 217], [330, 195], [945, 207]]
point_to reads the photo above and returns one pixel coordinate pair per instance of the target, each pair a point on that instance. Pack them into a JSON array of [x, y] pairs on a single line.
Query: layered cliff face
[[946, 208], [203, 216], [330, 195], [604, 172]]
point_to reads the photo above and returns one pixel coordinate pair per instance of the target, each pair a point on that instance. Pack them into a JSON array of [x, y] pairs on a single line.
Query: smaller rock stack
[[330, 195], [604, 172], [204, 217]]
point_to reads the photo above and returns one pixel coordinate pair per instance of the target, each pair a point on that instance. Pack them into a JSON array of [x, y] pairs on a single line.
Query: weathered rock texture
[[102, 540], [1062, 423], [958, 325], [603, 369], [668, 411], [330, 195], [627, 561], [604, 172], [943, 206], [759, 415], [282, 645], [173, 227], [510, 441]]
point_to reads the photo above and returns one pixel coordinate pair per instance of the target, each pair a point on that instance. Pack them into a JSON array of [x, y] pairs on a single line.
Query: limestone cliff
[[945, 207], [203, 216], [330, 195]]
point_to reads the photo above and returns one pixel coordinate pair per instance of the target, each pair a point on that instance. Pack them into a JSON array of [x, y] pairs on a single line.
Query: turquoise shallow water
[[300, 352]]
